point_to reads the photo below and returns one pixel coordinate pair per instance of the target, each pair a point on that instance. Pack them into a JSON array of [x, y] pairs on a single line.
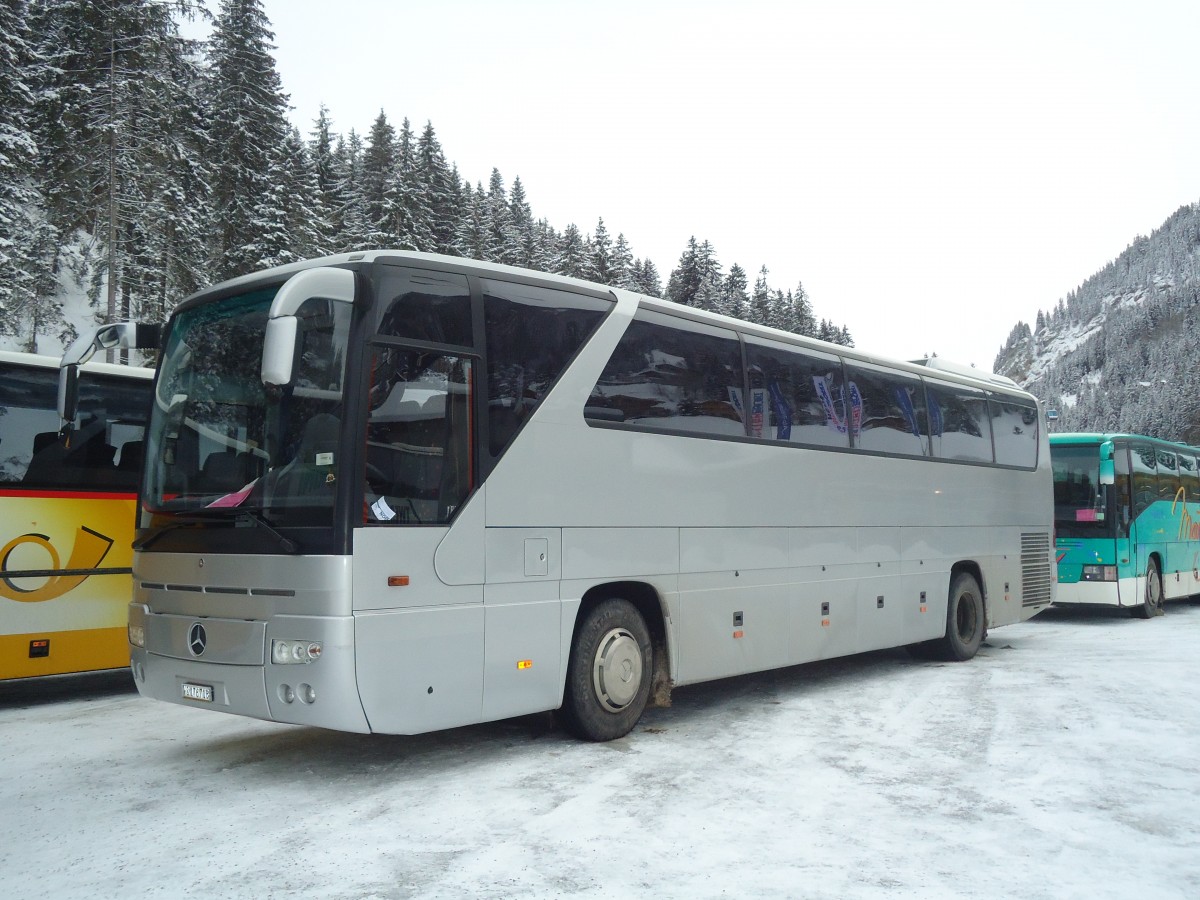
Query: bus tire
[[609, 673], [965, 621], [1152, 599]]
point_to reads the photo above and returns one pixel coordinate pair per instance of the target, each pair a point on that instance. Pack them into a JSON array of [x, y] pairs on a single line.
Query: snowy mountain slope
[[1121, 352]]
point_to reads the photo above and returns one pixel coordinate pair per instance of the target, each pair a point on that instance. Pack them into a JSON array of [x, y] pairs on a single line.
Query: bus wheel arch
[[617, 665]]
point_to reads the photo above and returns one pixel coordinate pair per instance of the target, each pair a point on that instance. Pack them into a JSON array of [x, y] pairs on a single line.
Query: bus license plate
[[202, 692]]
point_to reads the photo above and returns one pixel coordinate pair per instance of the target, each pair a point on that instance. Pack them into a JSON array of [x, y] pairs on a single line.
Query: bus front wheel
[[1152, 600], [608, 675]]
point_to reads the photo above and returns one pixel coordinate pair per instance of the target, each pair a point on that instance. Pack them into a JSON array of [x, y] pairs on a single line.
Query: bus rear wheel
[[965, 622], [1152, 600], [608, 675]]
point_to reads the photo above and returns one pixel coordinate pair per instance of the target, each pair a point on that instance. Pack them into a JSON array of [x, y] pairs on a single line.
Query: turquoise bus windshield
[[1081, 503]]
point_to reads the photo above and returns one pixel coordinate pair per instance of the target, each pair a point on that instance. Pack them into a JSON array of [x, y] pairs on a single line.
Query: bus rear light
[[1099, 573], [137, 635], [291, 653]]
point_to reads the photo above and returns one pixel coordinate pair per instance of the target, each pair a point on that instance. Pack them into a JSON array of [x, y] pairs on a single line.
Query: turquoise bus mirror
[[1107, 469]]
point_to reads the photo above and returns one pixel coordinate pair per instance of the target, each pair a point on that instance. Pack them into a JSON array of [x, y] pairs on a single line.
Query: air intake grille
[[1035, 568]]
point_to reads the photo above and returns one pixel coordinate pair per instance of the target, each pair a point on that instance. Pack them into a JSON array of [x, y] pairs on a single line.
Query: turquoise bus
[[1127, 521]]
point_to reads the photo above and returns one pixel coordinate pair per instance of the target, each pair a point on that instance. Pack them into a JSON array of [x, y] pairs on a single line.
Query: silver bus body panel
[[243, 603], [761, 555]]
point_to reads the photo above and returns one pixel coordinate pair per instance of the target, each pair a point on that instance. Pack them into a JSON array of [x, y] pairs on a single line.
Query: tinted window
[[1189, 477], [674, 374], [959, 425], [1015, 430], [532, 333], [887, 412], [1168, 475], [106, 448], [425, 306], [801, 396], [1145, 477], [418, 437]]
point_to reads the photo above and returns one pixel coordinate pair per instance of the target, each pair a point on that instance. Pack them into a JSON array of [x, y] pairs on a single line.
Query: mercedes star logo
[[197, 639]]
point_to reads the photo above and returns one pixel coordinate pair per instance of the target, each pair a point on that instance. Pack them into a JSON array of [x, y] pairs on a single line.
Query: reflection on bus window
[[803, 396], [418, 459], [1145, 478], [521, 371], [105, 451], [959, 422], [1015, 430], [1168, 475], [887, 412], [676, 375]]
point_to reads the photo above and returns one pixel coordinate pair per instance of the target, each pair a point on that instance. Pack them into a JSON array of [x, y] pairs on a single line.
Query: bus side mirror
[[1107, 469], [118, 336], [279, 342]]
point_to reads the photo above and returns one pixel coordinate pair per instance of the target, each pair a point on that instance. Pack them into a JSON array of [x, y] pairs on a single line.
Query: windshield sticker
[[382, 511], [237, 498]]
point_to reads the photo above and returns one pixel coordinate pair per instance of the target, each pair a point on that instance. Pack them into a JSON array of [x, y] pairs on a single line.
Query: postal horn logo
[[89, 550]]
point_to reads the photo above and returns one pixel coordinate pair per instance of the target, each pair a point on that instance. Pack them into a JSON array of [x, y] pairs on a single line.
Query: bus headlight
[[291, 653], [137, 635], [1099, 573]]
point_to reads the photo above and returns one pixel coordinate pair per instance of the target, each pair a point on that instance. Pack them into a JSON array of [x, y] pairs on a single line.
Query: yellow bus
[[67, 519]]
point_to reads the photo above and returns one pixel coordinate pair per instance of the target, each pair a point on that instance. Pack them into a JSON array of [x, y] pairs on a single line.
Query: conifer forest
[[138, 165]]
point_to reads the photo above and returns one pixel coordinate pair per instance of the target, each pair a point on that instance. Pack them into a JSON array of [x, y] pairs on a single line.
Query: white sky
[[932, 172]]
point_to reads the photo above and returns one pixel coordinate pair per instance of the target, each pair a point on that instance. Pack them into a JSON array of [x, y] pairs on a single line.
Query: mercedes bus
[[397, 492]]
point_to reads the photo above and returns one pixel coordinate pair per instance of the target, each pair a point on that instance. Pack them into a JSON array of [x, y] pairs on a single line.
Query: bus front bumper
[[1095, 593], [241, 678]]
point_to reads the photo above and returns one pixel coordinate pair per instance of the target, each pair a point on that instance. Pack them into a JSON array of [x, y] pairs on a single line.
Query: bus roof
[[936, 368], [35, 360], [1077, 438]]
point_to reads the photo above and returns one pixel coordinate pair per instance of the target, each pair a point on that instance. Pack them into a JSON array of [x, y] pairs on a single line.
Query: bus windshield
[[221, 442], [1080, 501]]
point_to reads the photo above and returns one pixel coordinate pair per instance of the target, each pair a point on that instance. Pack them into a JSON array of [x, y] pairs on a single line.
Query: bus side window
[[889, 412], [1190, 477], [1015, 431], [805, 395], [1144, 478], [418, 456], [1168, 475], [676, 375], [960, 423], [521, 371]]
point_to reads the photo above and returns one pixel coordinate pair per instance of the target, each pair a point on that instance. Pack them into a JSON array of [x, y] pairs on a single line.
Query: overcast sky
[[932, 172]]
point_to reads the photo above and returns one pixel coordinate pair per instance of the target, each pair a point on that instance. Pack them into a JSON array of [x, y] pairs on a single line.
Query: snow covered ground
[[1063, 762]]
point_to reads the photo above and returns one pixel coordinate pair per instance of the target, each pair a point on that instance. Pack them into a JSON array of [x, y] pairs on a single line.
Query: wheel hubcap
[[617, 672], [965, 617]]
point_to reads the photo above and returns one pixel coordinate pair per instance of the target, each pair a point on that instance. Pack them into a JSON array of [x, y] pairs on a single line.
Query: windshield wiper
[[147, 539], [250, 515], [255, 514]]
